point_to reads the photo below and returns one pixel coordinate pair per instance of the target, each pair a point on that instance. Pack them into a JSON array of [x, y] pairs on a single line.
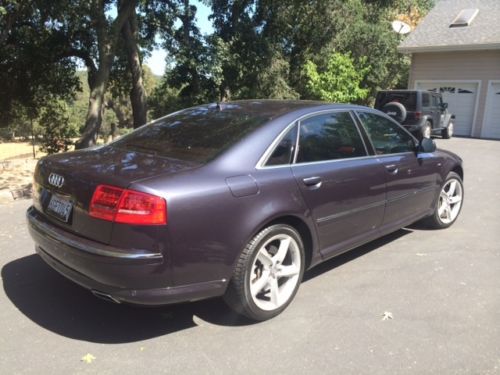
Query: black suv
[[423, 113]]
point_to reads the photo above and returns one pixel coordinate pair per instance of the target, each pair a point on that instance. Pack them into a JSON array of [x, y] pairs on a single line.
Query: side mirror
[[444, 106], [427, 145]]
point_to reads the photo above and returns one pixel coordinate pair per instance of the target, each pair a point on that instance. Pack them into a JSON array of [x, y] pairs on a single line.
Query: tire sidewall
[[272, 231]]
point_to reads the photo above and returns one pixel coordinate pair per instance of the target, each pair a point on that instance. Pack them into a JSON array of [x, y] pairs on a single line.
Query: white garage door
[[491, 126], [461, 99]]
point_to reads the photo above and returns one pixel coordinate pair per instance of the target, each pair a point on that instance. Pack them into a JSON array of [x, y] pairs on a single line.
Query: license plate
[[60, 208]]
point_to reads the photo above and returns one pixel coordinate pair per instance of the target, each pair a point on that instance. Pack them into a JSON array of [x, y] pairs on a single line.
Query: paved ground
[[442, 288]]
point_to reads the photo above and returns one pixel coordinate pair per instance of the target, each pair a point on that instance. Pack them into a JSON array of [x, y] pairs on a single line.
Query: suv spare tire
[[396, 110]]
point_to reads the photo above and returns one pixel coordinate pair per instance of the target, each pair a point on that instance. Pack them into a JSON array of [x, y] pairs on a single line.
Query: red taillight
[[128, 206], [418, 115]]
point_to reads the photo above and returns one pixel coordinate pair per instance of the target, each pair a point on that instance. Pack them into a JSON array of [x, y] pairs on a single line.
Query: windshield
[[197, 134], [408, 99]]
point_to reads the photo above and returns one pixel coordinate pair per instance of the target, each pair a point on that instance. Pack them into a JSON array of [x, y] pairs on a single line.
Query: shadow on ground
[[58, 305]]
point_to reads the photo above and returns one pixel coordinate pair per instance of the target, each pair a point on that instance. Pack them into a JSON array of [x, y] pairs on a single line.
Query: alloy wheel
[[450, 201], [275, 272]]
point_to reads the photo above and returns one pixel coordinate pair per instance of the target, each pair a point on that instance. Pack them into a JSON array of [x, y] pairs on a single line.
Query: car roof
[[273, 108]]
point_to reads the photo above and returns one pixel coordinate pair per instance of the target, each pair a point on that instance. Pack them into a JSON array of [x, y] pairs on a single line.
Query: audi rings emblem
[[56, 180]]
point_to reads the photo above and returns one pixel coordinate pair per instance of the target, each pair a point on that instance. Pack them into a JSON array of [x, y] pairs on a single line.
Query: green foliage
[[335, 50], [339, 82], [57, 129]]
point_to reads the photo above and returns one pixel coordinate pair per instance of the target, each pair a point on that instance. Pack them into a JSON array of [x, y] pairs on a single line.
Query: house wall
[[466, 65]]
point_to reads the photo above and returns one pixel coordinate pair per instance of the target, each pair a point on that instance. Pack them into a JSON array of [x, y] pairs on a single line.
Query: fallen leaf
[[387, 315], [88, 358], [141, 348]]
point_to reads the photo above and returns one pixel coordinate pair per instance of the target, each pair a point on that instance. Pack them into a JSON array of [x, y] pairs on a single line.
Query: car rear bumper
[[138, 276]]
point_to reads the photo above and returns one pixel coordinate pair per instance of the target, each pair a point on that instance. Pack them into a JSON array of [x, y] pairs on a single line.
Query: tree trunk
[[107, 36], [138, 96], [94, 114]]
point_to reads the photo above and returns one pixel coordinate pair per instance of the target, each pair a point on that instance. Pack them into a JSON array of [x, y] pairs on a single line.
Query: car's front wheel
[[426, 130], [268, 273], [449, 203]]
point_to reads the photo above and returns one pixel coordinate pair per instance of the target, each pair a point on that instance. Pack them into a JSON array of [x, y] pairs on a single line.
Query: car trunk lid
[[65, 183]]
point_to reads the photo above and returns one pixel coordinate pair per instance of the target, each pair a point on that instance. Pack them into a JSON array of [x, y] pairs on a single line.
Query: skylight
[[464, 18]]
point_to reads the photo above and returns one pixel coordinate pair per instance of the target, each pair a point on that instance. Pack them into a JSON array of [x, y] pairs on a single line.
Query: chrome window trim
[[261, 164]]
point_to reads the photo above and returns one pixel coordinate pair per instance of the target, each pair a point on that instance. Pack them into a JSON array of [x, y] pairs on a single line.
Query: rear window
[[196, 134], [408, 99]]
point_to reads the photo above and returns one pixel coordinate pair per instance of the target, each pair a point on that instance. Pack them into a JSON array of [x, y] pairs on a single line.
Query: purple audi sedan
[[236, 200]]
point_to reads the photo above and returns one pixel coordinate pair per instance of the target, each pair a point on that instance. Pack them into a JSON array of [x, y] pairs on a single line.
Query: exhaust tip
[[105, 296]]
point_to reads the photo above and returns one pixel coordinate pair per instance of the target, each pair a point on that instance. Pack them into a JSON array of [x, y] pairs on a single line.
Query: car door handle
[[312, 181], [392, 168]]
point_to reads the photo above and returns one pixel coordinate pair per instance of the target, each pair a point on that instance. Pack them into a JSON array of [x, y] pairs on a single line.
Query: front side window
[[328, 137], [386, 136]]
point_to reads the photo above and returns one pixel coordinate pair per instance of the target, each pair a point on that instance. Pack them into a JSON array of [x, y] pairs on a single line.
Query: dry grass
[[11, 150]]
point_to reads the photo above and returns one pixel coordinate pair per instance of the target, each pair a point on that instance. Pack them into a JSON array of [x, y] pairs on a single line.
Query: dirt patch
[[16, 177]]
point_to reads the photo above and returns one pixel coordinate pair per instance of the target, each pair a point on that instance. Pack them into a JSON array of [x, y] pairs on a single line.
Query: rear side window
[[329, 137], [197, 134], [386, 136], [283, 153], [425, 100], [408, 99]]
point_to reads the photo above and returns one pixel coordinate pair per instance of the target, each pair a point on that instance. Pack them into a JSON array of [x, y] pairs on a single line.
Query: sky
[[157, 59]]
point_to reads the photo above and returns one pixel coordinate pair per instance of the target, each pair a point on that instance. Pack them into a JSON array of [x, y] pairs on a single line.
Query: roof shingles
[[434, 32]]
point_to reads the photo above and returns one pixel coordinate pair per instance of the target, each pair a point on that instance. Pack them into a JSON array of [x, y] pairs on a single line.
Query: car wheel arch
[[307, 234], [458, 170]]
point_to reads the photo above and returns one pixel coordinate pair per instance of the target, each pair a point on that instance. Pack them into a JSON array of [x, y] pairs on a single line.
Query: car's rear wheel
[[268, 273], [447, 132], [449, 203]]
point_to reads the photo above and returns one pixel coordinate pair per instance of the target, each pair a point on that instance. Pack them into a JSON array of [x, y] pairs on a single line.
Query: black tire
[[395, 110], [447, 132], [435, 221], [238, 295], [426, 130]]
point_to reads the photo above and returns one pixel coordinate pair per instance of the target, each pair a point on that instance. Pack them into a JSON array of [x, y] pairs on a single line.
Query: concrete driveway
[[442, 289]]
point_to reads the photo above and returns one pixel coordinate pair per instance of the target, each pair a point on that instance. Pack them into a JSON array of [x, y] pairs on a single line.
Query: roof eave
[[449, 48]]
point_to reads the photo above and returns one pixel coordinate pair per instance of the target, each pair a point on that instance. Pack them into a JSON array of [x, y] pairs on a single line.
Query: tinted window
[[328, 137], [435, 101], [425, 100], [406, 98], [196, 134], [283, 152], [386, 136]]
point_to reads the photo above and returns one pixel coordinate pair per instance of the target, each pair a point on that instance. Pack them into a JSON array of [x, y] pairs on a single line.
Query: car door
[[436, 111], [342, 185], [411, 179]]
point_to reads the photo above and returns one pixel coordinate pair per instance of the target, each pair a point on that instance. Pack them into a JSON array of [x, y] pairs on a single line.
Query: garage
[[461, 99], [491, 126]]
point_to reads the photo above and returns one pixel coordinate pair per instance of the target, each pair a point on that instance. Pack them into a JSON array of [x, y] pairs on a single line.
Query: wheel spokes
[[455, 199], [451, 191], [282, 250], [258, 285], [288, 271], [264, 257], [274, 293]]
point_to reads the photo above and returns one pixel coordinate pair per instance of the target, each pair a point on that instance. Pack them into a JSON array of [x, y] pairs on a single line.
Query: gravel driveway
[[441, 288]]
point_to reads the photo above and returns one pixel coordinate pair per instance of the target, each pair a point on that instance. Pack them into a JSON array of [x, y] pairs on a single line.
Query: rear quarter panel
[[208, 227]]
